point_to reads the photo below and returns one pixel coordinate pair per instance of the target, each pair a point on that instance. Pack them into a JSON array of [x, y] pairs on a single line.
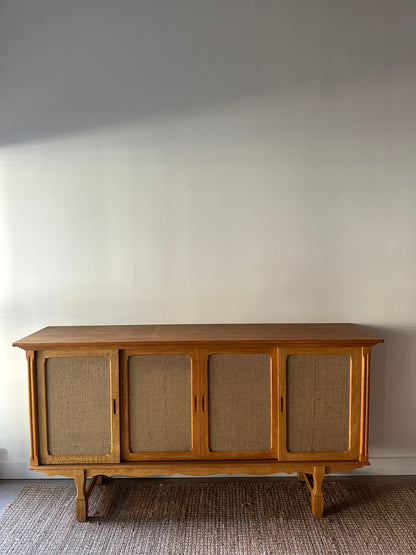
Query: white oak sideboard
[[198, 400]]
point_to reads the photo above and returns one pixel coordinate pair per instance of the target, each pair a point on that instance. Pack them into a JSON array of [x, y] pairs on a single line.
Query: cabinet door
[[160, 392], [238, 408], [77, 398], [320, 397]]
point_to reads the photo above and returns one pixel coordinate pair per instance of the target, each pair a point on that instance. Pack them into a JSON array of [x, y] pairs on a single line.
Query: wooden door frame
[[205, 352], [355, 417], [126, 453], [113, 407]]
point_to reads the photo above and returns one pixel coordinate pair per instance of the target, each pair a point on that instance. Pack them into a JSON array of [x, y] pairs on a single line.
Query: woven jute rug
[[240, 516]]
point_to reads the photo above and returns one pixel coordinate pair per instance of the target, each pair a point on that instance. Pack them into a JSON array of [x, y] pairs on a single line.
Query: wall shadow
[[67, 67], [392, 392]]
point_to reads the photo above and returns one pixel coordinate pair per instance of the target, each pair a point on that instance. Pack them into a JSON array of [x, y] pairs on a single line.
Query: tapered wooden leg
[[84, 492], [317, 498], [315, 488], [81, 502]]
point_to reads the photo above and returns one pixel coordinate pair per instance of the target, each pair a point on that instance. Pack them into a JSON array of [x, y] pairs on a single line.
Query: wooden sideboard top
[[124, 336]]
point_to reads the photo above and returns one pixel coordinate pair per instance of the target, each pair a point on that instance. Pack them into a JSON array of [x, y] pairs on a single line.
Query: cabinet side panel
[[239, 388], [78, 405], [318, 399], [160, 402]]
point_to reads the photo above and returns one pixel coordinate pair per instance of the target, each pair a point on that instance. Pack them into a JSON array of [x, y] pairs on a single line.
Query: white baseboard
[[381, 466], [18, 470], [389, 466]]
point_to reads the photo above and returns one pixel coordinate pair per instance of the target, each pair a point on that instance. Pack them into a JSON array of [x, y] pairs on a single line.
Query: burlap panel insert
[[78, 405], [160, 403], [239, 402], [318, 392]]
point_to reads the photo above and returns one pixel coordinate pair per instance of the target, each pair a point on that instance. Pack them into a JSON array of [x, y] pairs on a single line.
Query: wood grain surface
[[122, 336]]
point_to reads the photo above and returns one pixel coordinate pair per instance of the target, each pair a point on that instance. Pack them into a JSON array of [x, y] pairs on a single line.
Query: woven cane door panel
[[160, 403], [239, 388], [318, 400], [78, 405]]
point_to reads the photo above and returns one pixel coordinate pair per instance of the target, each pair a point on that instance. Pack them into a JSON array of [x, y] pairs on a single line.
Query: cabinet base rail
[[311, 473]]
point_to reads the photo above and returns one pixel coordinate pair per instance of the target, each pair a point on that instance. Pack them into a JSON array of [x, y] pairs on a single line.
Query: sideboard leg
[[81, 502], [101, 479], [314, 484], [317, 497]]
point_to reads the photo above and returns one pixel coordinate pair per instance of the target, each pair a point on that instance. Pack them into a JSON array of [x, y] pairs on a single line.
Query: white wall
[[222, 161]]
